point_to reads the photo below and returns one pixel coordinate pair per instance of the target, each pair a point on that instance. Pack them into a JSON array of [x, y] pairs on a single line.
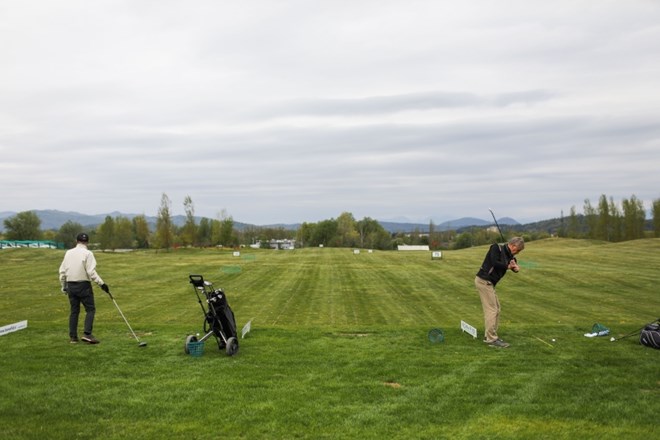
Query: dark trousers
[[81, 293]]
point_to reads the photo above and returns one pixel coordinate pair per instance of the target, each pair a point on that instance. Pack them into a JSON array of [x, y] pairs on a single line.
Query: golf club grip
[[196, 280]]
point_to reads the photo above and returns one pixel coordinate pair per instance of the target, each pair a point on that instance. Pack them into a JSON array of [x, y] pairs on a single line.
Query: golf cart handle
[[196, 280]]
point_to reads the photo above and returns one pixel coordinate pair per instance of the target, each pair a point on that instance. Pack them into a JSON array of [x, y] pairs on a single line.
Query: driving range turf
[[338, 347]]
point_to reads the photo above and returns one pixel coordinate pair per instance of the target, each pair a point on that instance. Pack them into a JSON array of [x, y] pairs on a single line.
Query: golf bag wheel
[[232, 346], [189, 338]]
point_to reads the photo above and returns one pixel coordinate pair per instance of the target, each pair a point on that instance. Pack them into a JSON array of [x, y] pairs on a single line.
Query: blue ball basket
[[436, 335], [195, 348]]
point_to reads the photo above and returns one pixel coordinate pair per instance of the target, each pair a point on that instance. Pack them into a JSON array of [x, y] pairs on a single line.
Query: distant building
[[408, 247], [285, 244]]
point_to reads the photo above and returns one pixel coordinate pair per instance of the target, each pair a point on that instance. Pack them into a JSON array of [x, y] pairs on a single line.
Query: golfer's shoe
[[498, 343], [74, 340], [90, 339]]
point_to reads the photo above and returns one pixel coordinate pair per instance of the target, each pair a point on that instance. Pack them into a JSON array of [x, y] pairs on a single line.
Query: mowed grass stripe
[[339, 347]]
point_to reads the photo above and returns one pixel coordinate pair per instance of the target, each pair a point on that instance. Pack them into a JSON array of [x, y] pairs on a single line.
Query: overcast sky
[[292, 111]]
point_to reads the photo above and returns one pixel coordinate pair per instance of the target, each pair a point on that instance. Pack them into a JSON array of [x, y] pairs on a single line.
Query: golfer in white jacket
[[77, 271]]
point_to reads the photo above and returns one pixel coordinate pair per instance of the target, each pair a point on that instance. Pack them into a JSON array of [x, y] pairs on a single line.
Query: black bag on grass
[[221, 318], [650, 336]]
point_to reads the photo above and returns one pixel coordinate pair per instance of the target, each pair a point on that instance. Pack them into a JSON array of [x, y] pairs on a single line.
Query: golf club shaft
[[496, 224], [125, 320], [636, 332]]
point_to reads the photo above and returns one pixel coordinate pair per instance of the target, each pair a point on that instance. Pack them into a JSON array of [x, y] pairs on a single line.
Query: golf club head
[[142, 344]]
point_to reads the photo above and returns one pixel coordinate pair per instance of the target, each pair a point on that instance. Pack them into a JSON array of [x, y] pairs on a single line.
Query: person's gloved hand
[[64, 290], [105, 288]]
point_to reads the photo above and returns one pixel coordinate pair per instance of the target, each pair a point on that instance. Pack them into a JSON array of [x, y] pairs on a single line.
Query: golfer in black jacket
[[498, 260]]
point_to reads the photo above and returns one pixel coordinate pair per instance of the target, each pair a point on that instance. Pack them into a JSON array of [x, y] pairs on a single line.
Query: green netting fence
[[49, 244]]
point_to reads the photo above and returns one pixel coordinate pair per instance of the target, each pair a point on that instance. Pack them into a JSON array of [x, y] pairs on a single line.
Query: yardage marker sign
[[469, 329], [246, 328], [13, 327]]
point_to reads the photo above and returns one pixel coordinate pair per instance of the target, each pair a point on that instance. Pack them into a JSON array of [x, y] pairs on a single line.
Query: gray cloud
[[277, 112], [379, 105]]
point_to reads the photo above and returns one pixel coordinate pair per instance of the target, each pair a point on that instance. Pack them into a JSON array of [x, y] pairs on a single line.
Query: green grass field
[[338, 347]]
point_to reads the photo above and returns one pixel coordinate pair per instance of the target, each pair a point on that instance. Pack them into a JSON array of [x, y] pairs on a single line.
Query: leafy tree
[[442, 239], [300, 235], [347, 235], [204, 232], [361, 228], [23, 226], [189, 230], [591, 217], [656, 217], [464, 240], [573, 230], [252, 234], [608, 226], [561, 232], [106, 233], [398, 240], [227, 237], [634, 218], [222, 230], [305, 233], [604, 224], [435, 237], [368, 230], [49, 235], [68, 233], [324, 233], [141, 231], [164, 226], [123, 237], [379, 239], [414, 237], [615, 220]]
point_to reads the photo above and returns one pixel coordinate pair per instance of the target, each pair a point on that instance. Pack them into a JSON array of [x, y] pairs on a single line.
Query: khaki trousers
[[491, 306]]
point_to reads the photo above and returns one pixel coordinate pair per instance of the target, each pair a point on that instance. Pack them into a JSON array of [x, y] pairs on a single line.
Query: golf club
[[636, 332], [498, 226], [140, 344]]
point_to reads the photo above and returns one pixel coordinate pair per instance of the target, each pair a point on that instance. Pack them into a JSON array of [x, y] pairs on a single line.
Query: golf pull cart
[[218, 317]]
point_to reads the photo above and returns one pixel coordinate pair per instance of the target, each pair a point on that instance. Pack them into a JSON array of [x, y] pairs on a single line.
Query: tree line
[[120, 232], [607, 221], [614, 222]]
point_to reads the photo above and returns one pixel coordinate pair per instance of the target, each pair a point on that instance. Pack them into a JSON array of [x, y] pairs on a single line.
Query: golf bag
[[650, 335], [219, 321], [220, 317]]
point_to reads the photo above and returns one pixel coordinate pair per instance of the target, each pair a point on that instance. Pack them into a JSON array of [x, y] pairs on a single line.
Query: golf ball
[[554, 340], [612, 339]]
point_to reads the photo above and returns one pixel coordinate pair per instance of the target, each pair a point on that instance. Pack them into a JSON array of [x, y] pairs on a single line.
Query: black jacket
[[496, 263]]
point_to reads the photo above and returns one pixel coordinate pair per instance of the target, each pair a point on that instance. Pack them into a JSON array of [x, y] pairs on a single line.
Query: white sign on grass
[[469, 329], [246, 328], [13, 327]]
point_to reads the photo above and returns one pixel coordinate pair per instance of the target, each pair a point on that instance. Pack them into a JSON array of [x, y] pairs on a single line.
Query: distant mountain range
[[53, 219], [460, 223]]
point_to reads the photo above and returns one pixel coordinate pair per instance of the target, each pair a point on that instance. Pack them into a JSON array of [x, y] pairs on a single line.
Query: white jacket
[[79, 264]]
